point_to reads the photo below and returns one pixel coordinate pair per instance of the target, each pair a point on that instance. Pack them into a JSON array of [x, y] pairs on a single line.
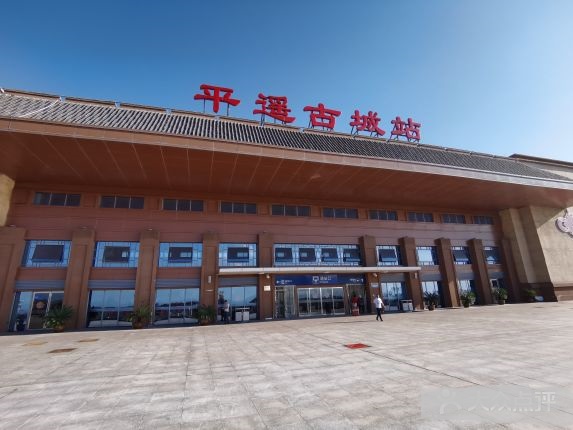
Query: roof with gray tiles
[[109, 115]]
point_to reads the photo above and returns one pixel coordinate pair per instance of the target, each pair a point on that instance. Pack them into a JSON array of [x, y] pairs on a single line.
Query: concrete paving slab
[[296, 374]]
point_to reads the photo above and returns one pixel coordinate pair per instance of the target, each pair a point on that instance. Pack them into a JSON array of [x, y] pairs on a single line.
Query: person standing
[[226, 311], [379, 307]]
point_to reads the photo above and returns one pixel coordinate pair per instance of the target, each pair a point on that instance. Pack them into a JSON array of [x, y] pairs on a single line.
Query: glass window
[[420, 217], [339, 213], [116, 254], [42, 198], [283, 255], [136, 203], [237, 254], [352, 213], [169, 204], [73, 199], [307, 255], [226, 207], [453, 219], [278, 210], [388, 255], [183, 205], [238, 208], [461, 255], [432, 287], [351, 256], [491, 254], [109, 308], [180, 254], [196, 205], [242, 300], [427, 255], [328, 212], [46, 253], [122, 202], [57, 199], [482, 219], [107, 202], [176, 306], [329, 255], [183, 254], [383, 215]]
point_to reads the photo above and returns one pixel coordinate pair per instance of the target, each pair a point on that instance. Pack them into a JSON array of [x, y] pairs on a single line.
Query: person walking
[[226, 311], [379, 307]]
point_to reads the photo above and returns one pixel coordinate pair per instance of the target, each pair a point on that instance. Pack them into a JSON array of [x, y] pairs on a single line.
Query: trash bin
[[242, 314], [407, 305]]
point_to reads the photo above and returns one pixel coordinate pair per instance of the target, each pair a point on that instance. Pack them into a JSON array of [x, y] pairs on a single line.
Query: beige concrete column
[[413, 282], [449, 283], [541, 253], [6, 187], [479, 267], [514, 292], [76, 293], [11, 249], [367, 246], [147, 268], [265, 295], [209, 268]]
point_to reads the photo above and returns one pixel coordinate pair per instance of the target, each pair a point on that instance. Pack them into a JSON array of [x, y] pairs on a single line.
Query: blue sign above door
[[323, 279]]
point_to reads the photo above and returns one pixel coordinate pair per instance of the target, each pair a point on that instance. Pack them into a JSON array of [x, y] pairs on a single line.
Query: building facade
[[106, 207]]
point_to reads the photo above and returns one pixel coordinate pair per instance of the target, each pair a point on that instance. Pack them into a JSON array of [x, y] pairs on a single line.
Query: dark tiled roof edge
[[108, 114]]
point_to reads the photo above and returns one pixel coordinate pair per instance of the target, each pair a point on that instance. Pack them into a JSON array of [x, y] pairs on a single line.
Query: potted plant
[[467, 298], [140, 317], [206, 314], [432, 300], [57, 317], [530, 294], [500, 295]]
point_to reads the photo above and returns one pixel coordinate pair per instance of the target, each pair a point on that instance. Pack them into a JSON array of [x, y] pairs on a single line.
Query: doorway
[[284, 303], [356, 292]]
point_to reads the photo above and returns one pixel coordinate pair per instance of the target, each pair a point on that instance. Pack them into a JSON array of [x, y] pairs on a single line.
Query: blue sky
[[488, 76]]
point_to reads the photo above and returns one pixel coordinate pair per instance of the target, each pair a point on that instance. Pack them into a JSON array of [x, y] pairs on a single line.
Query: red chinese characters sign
[[276, 107], [217, 95]]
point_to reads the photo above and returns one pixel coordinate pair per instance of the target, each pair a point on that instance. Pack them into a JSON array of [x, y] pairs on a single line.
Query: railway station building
[[105, 207]]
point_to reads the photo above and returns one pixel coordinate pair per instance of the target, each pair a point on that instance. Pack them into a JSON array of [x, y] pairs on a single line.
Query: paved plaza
[[298, 374]]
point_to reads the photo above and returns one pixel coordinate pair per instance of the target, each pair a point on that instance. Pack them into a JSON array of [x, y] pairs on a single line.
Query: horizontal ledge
[[314, 269]]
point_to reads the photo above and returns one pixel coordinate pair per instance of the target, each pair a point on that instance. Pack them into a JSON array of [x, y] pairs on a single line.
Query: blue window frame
[[180, 254], [116, 254], [46, 253]]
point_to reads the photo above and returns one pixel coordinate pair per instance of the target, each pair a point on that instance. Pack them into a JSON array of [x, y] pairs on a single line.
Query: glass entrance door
[[320, 301], [392, 293], [284, 303]]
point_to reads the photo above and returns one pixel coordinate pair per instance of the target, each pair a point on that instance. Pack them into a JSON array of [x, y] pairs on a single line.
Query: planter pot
[[501, 302], [58, 328], [137, 325], [431, 307], [466, 305], [204, 322]]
